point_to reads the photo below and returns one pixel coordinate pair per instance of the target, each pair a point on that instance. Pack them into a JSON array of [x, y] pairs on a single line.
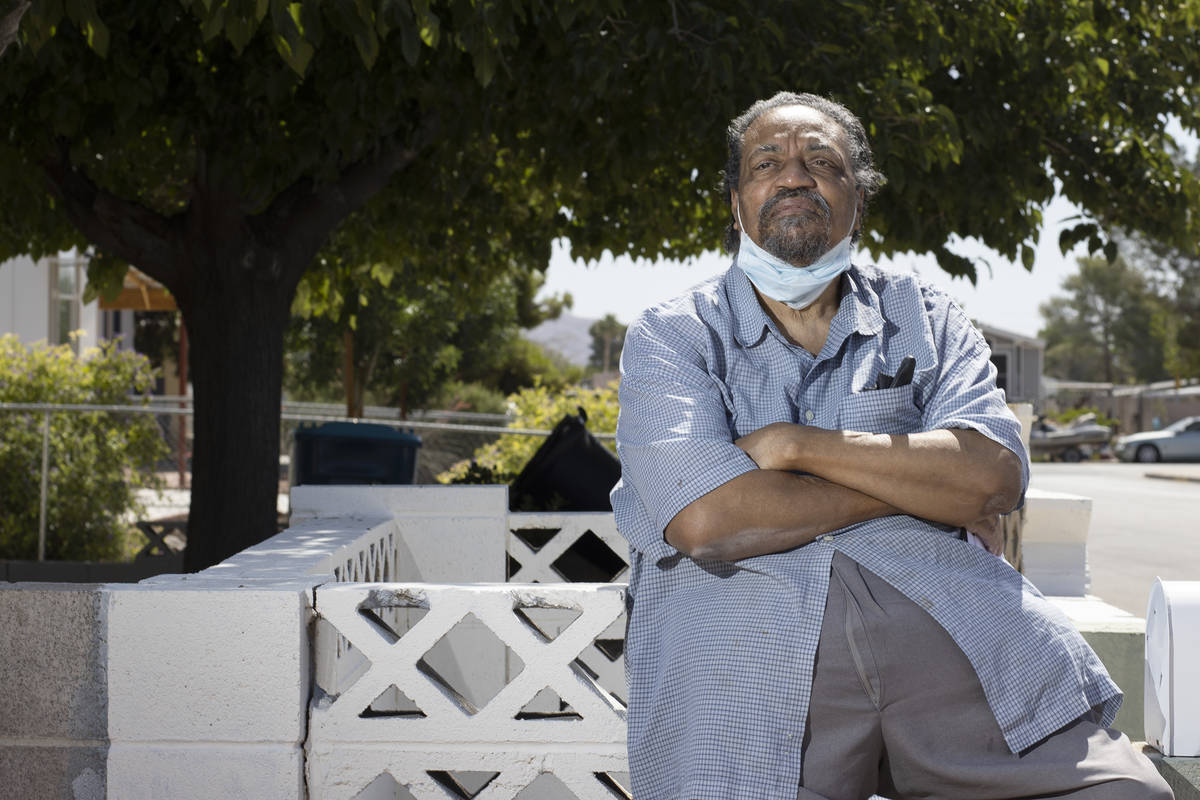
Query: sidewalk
[[1173, 472]]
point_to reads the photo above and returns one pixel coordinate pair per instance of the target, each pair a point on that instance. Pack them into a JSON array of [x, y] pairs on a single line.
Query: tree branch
[[120, 227], [306, 215], [10, 23]]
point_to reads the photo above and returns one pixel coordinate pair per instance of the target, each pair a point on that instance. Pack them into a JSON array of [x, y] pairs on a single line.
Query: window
[[66, 301], [1001, 362]]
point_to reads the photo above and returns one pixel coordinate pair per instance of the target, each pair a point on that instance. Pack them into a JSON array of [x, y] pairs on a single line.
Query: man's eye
[[762, 165]]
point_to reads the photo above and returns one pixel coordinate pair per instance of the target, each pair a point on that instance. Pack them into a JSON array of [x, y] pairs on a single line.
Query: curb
[[1165, 477]]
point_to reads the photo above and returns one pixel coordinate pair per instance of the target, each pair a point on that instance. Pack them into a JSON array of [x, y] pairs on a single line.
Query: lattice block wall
[[574, 547], [400, 721]]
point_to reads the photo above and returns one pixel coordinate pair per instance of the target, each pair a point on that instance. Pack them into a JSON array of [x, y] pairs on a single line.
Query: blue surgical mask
[[796, 287]]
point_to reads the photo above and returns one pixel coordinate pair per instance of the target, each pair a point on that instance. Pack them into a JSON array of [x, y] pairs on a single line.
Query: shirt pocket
[[879, 411]]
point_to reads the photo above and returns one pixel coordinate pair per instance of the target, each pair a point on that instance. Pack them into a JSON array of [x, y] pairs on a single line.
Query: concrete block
[[446, 533], [52, 657], [1118, 638], [208, 665], [1056, 516], [1182, 774], [307, 548], [1054, 542], [1056, 568], [357, 501], [155, 771], [50, 772]]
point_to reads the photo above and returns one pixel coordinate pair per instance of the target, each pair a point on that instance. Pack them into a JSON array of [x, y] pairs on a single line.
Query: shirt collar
[[857, 313]]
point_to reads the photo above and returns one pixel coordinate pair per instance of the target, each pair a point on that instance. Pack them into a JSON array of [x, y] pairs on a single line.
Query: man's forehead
[[796, 121]]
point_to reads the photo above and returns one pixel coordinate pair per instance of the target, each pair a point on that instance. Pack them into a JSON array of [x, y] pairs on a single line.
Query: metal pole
[[41, 555], [181, 450]]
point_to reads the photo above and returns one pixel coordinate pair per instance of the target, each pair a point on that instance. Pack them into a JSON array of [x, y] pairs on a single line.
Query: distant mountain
[[568, 335]]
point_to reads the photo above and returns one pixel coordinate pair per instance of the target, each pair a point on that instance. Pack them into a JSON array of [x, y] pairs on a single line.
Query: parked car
[[1073, 442], [1179, 441]]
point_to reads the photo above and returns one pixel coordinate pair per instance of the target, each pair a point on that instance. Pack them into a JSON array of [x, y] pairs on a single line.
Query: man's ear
[[733, 209]]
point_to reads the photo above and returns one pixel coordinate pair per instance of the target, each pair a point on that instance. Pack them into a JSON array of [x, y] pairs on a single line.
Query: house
[[1018, 359], [42, 300]]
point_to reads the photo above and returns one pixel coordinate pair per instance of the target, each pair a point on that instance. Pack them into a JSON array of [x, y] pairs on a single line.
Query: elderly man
[[814, 457]]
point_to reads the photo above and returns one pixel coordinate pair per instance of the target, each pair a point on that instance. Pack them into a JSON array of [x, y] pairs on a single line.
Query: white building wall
[[25, 299], [27, 307]]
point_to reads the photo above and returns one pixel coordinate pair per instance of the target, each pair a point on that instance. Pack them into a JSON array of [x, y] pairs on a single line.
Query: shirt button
[[808, 415], [828, 537]]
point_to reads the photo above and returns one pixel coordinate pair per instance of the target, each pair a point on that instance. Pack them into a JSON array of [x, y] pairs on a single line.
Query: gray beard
[[797, 245], [796, 240]]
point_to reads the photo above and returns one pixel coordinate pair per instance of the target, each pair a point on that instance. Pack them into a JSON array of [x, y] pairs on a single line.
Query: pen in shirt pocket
[[903, 377]]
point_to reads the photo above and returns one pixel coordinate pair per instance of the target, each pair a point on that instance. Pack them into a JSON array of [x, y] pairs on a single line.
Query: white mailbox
[[1172, 700]]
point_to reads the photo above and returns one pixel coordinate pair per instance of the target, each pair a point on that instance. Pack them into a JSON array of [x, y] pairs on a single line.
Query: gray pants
[[897, 709]]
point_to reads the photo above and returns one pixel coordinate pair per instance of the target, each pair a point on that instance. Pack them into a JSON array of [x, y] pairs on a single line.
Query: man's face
[[796, 187]]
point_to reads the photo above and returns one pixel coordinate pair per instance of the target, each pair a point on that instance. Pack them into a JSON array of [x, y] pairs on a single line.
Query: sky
[[1005, 296]]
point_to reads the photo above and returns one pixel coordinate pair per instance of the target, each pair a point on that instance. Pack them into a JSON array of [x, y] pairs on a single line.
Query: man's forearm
[[950, 476], [768, 511]]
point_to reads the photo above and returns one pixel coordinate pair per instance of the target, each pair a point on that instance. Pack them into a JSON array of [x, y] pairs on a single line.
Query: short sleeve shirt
[[720, 655]]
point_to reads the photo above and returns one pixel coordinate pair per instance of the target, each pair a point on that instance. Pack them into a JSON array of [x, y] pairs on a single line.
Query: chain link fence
[[447, 437]]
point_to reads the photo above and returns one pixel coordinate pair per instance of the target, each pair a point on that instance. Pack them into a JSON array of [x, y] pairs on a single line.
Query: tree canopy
[[220, 145]]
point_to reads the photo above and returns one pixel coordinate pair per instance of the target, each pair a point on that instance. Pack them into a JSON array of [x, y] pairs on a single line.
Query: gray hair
[[862, 161]]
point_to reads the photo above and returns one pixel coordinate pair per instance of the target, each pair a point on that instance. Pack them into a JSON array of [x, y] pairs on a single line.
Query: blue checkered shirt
[[719, 655]]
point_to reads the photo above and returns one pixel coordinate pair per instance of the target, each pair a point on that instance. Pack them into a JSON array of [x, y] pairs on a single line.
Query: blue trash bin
[[354, 453]]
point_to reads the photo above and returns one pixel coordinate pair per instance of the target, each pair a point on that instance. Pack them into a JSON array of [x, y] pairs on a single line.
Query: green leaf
[[1073, 236], [410, 45], [430, 32], [289, 37], [1102, 65], [485, 66], [105, 278], [96, 33], [296, 57], [566, 13], [213, 24]]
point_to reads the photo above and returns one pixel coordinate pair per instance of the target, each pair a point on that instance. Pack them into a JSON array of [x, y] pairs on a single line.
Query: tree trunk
[[235, 318], [233, 276]]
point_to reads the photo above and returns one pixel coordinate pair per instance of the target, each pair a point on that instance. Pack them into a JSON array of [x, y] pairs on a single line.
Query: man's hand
[[990, 531], [772, 446]]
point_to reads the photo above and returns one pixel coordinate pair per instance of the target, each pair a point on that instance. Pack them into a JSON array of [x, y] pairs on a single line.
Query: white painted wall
[[25, 299]]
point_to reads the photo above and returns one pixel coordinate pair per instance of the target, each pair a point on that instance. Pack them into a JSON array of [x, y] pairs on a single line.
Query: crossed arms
[[958, 477]]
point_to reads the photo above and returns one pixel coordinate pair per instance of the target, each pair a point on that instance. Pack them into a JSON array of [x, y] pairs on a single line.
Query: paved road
[[1141, 527]]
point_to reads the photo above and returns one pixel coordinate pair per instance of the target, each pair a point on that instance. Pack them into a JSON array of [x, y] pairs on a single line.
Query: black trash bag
[[571, 471]]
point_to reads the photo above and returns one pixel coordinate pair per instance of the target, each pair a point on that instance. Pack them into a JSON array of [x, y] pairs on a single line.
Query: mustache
[[793, 194]]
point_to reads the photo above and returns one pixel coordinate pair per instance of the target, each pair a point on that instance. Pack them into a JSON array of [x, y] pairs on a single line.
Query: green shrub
[[538, 408], [1071, 414], [96, 459]]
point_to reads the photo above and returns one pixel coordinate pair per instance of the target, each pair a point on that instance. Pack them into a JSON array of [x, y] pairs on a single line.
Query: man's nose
[[794, 173]]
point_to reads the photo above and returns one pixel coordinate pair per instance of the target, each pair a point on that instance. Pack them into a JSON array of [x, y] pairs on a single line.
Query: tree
[[1103, 328], [399, 340], [217, 145], [608, 337], [1177, 322]]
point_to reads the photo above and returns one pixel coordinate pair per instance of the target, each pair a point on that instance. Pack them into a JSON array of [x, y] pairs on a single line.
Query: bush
[[96, 459], [1071, 414], [538, 408]]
